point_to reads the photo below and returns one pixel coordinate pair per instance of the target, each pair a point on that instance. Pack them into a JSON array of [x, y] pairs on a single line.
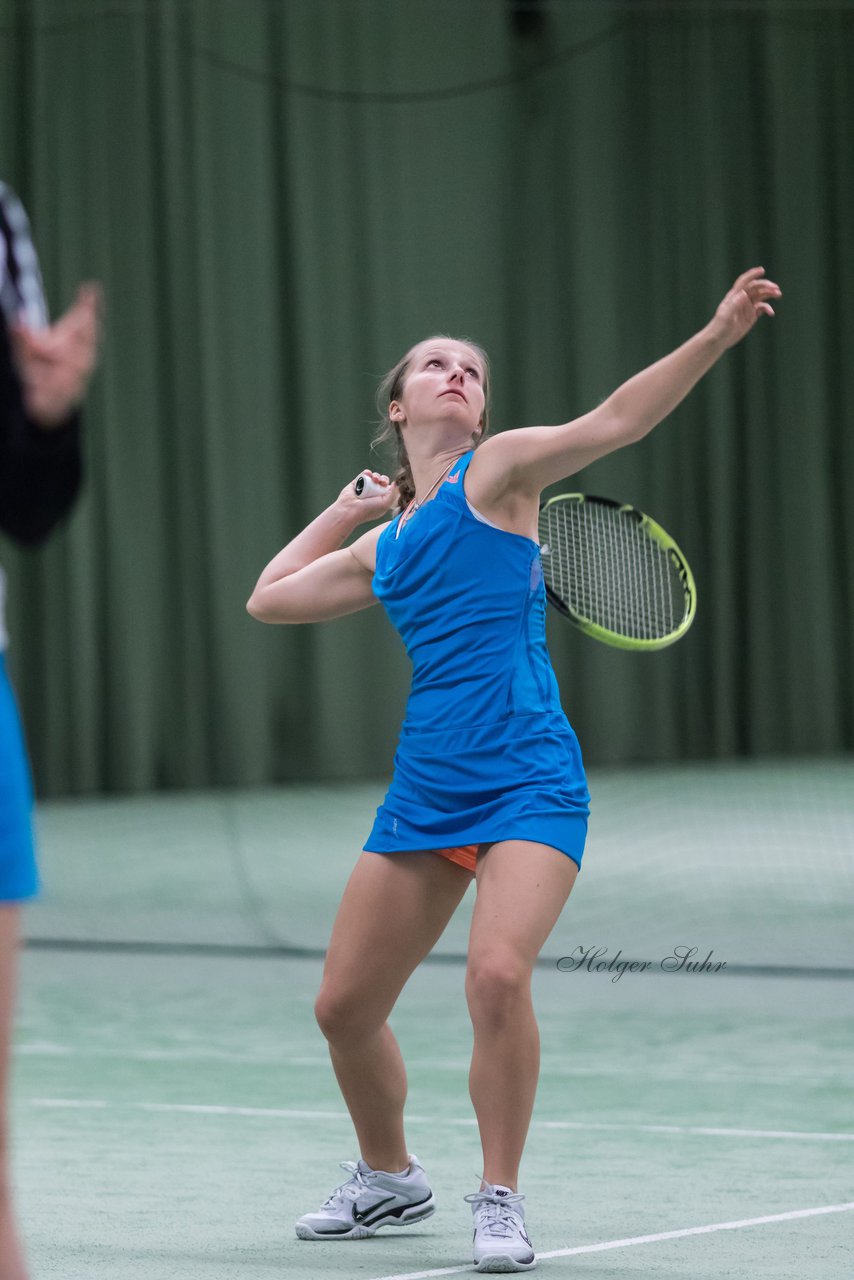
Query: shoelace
[[352, 1188], [494, 1213]]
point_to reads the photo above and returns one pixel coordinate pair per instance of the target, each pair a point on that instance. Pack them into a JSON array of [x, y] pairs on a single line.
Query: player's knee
[[330, 1011], [344, 1015], [496, 982]]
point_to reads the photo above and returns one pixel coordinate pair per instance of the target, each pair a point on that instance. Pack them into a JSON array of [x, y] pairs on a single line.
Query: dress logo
[[453, 479], [394, 826]]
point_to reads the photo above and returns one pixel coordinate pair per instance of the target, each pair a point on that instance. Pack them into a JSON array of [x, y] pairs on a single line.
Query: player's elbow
[[271, 604], [622, 424], [258, 607]]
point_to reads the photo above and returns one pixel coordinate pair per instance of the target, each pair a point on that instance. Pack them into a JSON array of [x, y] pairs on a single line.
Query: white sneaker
[[500, 1240], [369, 1199]]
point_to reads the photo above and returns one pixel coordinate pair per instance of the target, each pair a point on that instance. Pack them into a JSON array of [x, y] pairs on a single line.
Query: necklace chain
[[415, 506]]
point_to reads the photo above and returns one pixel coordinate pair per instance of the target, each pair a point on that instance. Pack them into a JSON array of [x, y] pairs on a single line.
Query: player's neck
[[430, 470]]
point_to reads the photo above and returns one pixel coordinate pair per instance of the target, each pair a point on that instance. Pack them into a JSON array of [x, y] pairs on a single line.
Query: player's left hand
[[55, 364], [746, 301]]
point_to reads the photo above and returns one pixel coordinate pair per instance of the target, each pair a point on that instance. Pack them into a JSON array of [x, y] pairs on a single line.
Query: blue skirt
[[18, 877], [520, 778]]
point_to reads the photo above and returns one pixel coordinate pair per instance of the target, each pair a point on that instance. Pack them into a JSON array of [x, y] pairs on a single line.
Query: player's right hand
[[363, 508]]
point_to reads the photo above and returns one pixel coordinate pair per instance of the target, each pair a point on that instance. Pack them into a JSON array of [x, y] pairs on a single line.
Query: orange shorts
[[464, 854]]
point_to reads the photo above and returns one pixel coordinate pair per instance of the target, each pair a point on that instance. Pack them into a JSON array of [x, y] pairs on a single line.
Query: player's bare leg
[[12, 1266], [521, 890], [394, 909]]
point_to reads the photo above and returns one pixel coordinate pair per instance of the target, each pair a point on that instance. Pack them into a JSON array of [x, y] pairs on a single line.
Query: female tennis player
[[488, 779]]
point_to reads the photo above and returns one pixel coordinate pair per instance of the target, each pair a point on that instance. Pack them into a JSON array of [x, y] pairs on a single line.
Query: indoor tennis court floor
[[175, 1110]]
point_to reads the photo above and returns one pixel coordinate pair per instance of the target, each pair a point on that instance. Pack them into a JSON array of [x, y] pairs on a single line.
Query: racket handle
[[367, 488]]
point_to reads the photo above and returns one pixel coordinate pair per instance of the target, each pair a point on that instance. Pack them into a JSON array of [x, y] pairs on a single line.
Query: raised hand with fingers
[[746, 301], [55, 364]]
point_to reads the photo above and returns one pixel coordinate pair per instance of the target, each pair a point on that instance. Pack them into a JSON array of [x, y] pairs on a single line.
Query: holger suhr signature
[[680, 960]]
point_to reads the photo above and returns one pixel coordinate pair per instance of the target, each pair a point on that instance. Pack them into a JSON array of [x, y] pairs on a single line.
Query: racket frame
[[677, 559]]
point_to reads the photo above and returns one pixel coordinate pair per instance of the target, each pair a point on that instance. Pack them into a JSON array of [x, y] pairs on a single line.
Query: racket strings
[[606, 568]]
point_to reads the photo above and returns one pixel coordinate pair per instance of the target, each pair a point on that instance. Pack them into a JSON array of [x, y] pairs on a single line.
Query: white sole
[[502, 1262]]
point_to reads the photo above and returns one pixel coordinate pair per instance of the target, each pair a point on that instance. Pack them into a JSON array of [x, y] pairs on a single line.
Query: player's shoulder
[[492, 488], [490, 469]]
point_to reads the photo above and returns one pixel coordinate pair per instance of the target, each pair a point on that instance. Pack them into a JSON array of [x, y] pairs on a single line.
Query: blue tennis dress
[[18, 875], [485, 752]]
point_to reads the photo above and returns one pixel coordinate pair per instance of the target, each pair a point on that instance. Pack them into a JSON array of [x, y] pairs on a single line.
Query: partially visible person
[[44, 371]]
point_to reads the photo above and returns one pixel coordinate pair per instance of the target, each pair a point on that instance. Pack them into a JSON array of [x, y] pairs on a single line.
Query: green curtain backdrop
[[281, 197]]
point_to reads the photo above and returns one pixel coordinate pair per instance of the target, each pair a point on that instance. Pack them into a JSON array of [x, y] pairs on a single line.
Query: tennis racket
[[610, 569], [614, 572]]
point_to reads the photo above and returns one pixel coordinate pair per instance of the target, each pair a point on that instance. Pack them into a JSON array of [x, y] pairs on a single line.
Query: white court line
[[277, 1113], [632, 1240], [51, 1050]]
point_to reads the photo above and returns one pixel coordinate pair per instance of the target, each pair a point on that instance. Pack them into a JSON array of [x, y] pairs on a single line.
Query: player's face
[[445, 380]]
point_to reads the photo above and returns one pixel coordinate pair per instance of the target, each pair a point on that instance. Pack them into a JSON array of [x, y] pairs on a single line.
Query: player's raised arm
[[534, 457], [314, 577]]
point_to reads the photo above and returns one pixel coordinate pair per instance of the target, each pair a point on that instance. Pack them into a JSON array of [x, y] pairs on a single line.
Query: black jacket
[[40, 470]]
